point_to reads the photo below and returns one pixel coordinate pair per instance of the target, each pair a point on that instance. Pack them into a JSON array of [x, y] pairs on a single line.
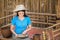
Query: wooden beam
[[45, 14], [42, 23], [53, 26]]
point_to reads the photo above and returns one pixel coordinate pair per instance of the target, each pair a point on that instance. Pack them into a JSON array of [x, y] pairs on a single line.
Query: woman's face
[[21, 13]]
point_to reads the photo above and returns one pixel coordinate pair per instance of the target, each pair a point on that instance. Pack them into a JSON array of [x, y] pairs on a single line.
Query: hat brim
[[19, 10]]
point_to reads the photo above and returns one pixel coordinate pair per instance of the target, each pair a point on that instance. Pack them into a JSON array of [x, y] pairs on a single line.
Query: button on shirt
[[20, 25]]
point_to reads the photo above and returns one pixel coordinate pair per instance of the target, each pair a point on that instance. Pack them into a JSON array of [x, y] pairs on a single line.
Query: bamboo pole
[[2, 11]]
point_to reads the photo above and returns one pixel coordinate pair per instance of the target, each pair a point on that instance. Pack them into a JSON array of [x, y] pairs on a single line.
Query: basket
[[22, 36], [6, 33]]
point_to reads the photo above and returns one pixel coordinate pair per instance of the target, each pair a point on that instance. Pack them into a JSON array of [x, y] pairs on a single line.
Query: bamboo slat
[[58, 9], [42, 23], [46, 14]]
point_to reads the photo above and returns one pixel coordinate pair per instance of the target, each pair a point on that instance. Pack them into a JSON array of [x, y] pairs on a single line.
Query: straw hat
[[19, 7]]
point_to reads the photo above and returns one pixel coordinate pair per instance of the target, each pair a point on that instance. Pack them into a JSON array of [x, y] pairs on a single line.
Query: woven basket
[[6, 32]]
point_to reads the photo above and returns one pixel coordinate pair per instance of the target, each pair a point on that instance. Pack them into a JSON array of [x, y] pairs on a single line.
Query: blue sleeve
[[29, 21], [13, 21]]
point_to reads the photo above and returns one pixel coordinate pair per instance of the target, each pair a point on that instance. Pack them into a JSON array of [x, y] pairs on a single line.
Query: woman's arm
[[29, 28], [12, 30]]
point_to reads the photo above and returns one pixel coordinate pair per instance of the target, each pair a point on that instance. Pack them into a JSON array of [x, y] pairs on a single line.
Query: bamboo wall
[[6, 9], [42, 6], [38, 6]]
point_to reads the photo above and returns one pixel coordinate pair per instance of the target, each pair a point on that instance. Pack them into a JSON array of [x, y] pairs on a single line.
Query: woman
[[21, 23]]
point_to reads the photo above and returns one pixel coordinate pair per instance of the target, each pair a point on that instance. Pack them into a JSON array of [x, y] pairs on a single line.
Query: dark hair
[[24, 13]]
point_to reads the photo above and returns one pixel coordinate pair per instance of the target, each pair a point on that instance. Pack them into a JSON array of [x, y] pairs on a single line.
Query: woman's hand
[[27, 29], [24, 32], [16, 35]]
